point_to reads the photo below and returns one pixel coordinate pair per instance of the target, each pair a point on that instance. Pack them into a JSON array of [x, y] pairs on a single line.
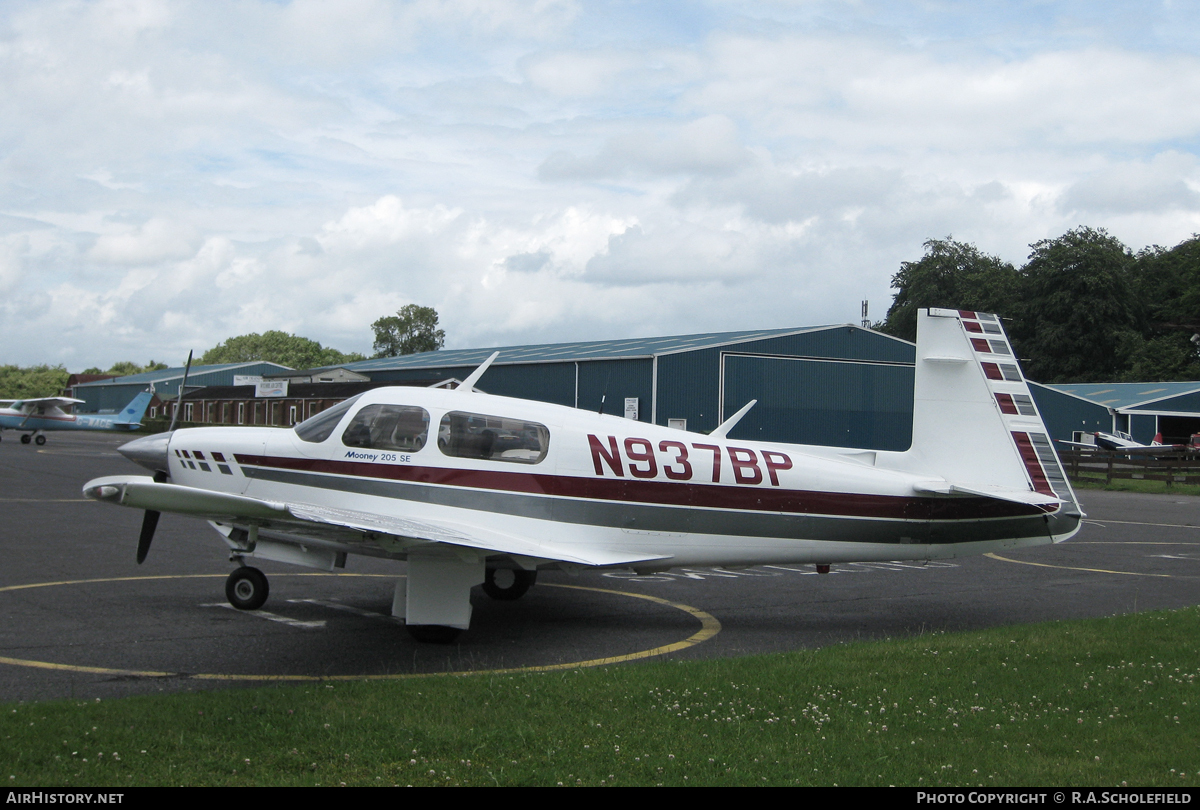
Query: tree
[[411, 330], [276, 347], [1167, 282], [32, 382], [127, 367], [954, 275], [1079, 318]]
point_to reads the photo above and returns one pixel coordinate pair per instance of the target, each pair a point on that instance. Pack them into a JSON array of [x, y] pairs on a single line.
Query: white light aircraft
[[470, 488], [36, 416], [1116, 441]]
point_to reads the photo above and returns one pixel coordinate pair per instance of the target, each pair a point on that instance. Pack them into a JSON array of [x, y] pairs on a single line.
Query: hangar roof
[[1126, 395], [622, 349], [165, 374]]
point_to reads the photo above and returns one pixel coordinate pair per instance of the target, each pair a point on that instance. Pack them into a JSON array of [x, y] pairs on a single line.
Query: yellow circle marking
[[1073, 568], [709, 627]]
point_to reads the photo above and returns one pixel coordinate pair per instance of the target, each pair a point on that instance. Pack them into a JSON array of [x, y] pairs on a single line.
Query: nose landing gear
[[247, 588]]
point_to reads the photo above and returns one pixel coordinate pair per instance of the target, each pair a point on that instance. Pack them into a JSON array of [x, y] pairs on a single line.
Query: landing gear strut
[[246, 588], [507, 584]]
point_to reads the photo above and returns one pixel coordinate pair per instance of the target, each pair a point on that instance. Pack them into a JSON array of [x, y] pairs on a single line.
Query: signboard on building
[[272, 388], [631, 408], [247, 379]]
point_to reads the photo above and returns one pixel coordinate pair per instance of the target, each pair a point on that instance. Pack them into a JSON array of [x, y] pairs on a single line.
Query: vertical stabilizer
[[975, 423], [132, 413]]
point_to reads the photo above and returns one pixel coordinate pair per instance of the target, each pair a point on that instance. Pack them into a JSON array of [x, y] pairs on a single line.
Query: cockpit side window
[[320, 427], [388, 427], [473, 435]]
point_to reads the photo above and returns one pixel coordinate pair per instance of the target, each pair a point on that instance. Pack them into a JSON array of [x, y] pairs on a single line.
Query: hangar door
[[837, 403]]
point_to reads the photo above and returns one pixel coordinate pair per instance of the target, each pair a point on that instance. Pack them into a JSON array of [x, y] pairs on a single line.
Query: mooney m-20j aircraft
[[470, 488], [36, 416]]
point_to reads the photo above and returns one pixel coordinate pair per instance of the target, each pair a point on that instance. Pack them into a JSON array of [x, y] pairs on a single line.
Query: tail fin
[[132, 413], [975, 424]]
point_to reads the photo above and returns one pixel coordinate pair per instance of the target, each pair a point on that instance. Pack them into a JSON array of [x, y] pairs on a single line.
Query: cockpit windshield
[[320, 427]]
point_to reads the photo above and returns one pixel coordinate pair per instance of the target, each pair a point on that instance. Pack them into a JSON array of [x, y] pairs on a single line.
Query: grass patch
[[1136, 485], [1094, 702]]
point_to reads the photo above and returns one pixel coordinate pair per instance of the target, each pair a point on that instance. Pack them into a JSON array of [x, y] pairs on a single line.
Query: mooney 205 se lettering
[[470, 488], [36, 416]]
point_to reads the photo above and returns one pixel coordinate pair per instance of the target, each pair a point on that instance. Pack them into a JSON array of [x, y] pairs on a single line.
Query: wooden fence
[[1152, 464]]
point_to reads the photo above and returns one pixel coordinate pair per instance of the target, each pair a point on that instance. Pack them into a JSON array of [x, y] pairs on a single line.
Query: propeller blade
[[149, 524], [179, 400]]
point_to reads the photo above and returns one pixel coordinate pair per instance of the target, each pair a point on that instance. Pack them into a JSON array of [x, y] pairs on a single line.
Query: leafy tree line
[[1083, 308], [29, 383], [274, 346], [412, 329]]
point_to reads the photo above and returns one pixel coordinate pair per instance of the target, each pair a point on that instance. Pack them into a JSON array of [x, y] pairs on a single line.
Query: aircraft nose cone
[[149, 451]]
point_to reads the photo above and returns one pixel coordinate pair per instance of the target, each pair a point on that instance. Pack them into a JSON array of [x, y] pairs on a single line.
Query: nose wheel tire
[[246, 588], [508, 584]]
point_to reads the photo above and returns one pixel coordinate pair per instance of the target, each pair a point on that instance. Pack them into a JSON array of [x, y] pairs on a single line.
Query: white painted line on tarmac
[[370, 614], [271, 617]]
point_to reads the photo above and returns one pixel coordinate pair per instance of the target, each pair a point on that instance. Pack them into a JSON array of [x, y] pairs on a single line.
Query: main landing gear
[[26, 438], [247, 588], [508, 584]]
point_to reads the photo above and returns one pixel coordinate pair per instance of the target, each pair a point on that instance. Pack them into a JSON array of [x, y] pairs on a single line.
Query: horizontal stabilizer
[[1000, 493]]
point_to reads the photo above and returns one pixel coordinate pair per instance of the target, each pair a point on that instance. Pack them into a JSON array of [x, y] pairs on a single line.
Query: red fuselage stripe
[[750, 498]]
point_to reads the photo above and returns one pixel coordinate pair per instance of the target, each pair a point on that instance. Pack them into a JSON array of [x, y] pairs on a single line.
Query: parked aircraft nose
[[149, 451]]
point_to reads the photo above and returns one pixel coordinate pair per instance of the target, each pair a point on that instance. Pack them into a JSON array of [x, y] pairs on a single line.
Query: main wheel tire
[[26, 438], [247, 588], [507, 584], [433, 633], [40, 440]]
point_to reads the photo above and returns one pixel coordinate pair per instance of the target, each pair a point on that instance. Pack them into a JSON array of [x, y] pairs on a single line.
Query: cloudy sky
[[176, 173]]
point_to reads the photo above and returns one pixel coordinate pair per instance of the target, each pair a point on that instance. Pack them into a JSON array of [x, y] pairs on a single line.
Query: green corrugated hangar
[[837, 385]]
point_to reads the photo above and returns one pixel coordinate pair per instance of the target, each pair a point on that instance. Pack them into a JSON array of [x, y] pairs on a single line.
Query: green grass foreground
[[1100, 702], [1136, 485]]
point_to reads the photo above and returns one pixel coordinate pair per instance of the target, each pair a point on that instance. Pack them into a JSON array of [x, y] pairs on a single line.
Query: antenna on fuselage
[[723, 429], [469, 382], [604, 395]]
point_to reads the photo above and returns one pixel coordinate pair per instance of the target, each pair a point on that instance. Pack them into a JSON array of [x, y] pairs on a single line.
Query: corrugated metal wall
[[834, 403], [689, 387], [1064, 413]]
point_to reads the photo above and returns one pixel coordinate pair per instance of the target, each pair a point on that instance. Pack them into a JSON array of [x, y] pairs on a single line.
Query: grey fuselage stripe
[[681, 519]]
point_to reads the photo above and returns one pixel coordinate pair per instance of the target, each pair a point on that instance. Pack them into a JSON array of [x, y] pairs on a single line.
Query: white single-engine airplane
[[470, 488], [36, 416]]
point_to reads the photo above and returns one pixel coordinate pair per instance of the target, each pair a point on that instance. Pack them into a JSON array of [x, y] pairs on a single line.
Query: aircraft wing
[[55, 402], [141, 492]]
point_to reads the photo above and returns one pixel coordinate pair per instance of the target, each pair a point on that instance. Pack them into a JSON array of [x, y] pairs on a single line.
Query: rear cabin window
[[388, 427], [474, 435], [320, 427]]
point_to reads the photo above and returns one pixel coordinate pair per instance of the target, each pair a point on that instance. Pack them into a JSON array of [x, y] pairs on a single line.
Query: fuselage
[[550, 473], [16, 420]]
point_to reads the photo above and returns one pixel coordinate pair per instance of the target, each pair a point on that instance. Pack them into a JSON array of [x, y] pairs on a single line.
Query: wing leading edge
[[141, 492]]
